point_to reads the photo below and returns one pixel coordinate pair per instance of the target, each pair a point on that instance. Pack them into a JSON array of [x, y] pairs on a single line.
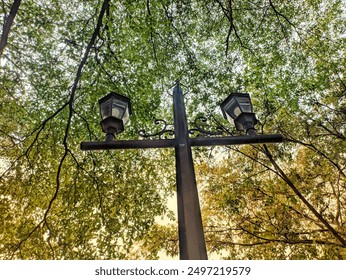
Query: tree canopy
[[58, 58]]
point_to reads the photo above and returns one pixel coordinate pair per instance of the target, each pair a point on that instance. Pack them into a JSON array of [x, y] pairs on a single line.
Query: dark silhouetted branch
[[7, 25]]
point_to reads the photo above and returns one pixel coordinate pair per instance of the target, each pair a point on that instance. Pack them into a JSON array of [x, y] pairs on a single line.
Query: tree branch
[[152, 32], [229, 14], [315, 149], [68, 125], [302, 198], [7, 25], [280, 14]]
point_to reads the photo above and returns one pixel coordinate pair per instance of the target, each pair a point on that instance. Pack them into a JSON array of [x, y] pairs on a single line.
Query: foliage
[[285, 201]]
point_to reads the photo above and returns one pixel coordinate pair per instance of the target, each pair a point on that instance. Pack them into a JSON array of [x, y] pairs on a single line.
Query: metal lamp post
[[115, 110]]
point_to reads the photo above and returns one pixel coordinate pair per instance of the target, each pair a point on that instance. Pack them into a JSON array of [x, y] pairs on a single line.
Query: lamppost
[[237, 108]]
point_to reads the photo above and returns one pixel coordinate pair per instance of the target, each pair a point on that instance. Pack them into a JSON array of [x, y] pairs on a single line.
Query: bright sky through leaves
[[58, 58]]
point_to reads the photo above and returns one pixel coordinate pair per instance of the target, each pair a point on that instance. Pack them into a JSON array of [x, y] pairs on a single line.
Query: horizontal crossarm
[[170, 143], [236, 140], [128, 144]]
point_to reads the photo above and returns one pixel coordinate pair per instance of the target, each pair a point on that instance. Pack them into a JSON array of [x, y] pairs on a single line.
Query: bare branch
[[280, 14], [7, 25], [229, 14], [318, 151], [152, 32], [68, 125], [302, 198]]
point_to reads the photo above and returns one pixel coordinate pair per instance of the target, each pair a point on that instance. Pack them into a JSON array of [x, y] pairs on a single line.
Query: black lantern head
[[238, 108], [115, 112]]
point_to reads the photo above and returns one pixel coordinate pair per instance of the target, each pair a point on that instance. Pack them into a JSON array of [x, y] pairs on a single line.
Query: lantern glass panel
[[118, 109], [245, 104], [126, 116], [232, 109], [106, 109]]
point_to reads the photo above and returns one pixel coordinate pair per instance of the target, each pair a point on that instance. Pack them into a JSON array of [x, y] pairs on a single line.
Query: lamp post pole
[[191, 236]]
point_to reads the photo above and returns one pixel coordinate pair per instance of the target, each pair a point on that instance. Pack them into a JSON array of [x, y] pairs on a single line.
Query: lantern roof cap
[[234, 94], [228, 99], [118, 97]]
